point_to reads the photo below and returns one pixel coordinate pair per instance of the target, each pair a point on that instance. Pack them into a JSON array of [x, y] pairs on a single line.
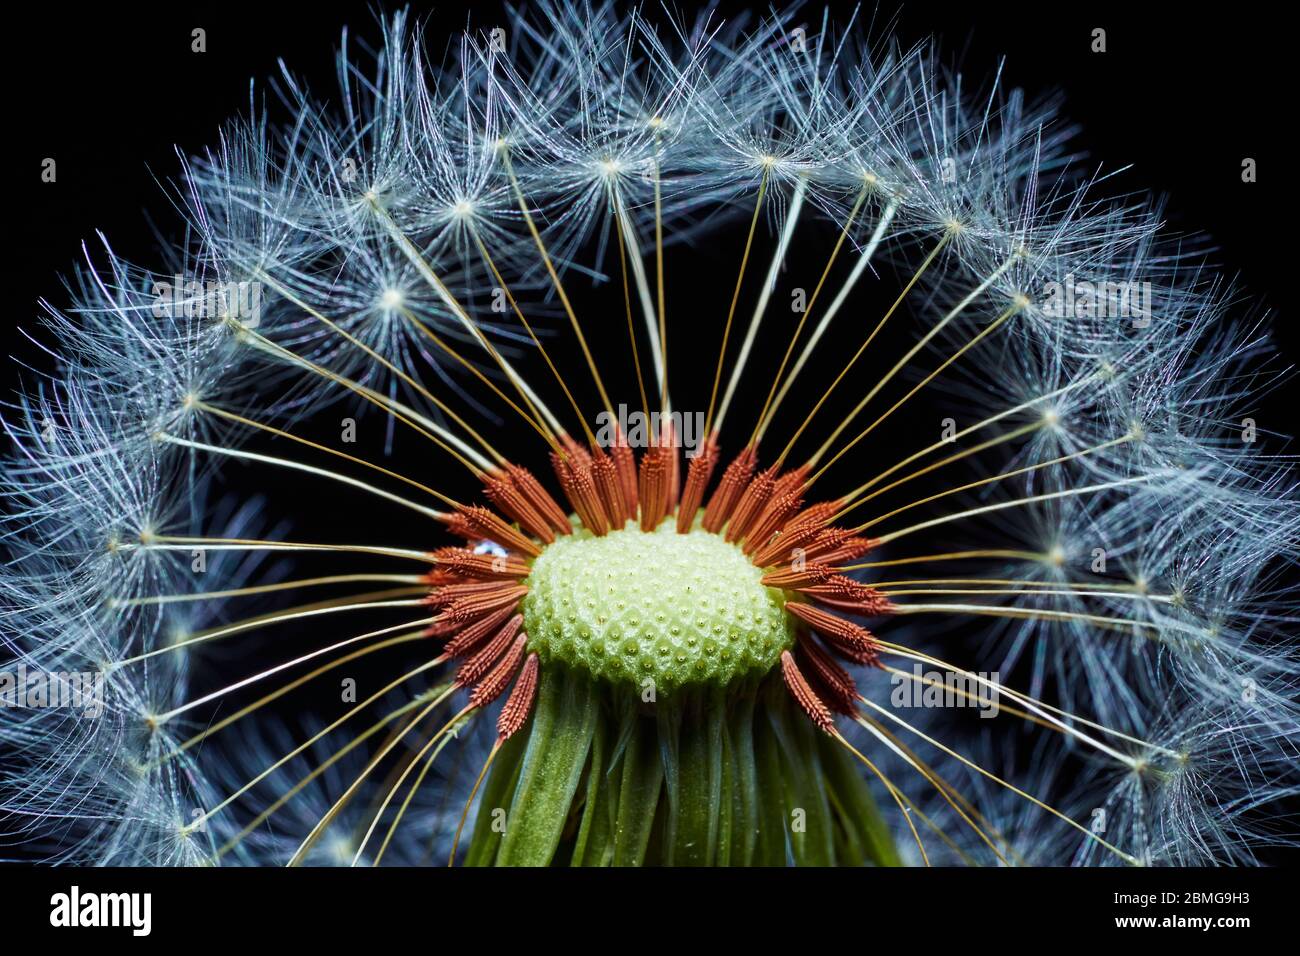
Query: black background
[[112, 92]]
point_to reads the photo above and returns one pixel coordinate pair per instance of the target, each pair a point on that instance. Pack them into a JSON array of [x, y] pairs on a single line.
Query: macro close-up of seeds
[[589, 434]]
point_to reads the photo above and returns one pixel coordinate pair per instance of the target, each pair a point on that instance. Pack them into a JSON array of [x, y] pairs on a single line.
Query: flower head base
[[680, 625], [658, 607]]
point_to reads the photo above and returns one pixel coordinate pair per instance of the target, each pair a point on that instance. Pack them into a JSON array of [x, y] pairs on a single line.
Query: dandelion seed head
[[1074, 508]]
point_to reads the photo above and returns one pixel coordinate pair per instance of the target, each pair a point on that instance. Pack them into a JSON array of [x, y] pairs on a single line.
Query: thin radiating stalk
[[735, 297], [555, 282], [904, 803], [438, 436], [912, 762], [440, 735], [269, 588], [864, 260], [1028, 469], [271, 671], [523, 320], [381, 360], [623, 254], [410, 795], [853, 500], [826, 394], [630, 244], [943, 442], [902, 363], [281, 433], [998, 780], [769, 409], [187, 543], [1038, 707], [332, 759], [765, 294], [417, 635], [1027, 613], [659, 279], [306, 611], [532, 416], [308, 469], [422, 266], [1007, 554], [478, 782], [342, 801], [1017, 503], [438, 697]]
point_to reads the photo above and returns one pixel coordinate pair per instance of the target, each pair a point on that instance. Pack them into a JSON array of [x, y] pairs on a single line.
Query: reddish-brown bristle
[[849, 595], [464, 563], [836, 684], [849, 640], [466, 609], [564, 475], [841, 585], [783, 507], [487, 524], [653, 490], [481, 661], [586, 499], [469, 637], [515, 711], [580, 489], [574, 449], [539, 498], [751, 505], [734, 481], [850, 550], [501, 491], [440, 576], [604, 475], [786, 547], [495, 682], [828, 541], [673, 483], [775, 516], [625, 465], [816, 515], [824, 622], [467, 589], [698, 473], [792, 482], [458, 526], [793, 580], [837, 545], [804, 695], [442, 627], [795, 537]]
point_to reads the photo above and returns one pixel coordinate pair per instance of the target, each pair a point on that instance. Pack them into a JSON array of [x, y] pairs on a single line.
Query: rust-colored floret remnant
[[478, 588], [804, 696]]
